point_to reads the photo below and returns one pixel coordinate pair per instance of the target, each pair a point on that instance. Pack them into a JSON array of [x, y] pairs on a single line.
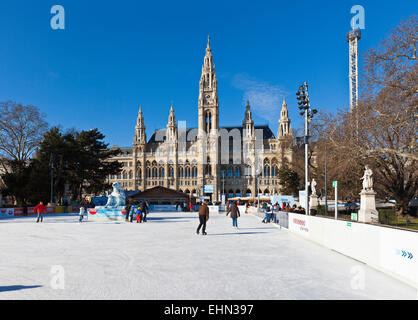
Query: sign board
[[204, 198], [299, 223], [208, 188], [6, 212], [354, 216], [334, 183], [223, 199]]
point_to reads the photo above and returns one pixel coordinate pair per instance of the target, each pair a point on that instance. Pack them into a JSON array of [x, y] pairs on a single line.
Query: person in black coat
[[127, 210]]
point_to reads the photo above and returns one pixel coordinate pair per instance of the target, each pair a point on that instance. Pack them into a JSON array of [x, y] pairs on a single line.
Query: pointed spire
[[248, 105], [284, 102], [208, 46]]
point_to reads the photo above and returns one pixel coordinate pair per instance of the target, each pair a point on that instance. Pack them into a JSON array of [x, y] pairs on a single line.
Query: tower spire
[[140, 136], [208, 46], [284, 121]]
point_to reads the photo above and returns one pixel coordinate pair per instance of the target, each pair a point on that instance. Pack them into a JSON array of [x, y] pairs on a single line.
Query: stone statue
[[367, 179], [117, 197], [313, 185]]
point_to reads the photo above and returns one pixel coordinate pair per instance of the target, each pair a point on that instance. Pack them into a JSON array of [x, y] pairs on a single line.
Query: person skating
[[131, 213], [234, 210], [139, 215], [144, 211], [40, 209], [127, 211], [81, 213], [203, 218]]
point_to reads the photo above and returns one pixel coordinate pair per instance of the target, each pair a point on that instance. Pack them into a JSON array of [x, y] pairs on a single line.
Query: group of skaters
[[233, 210], [184, 206], [271, 209], [139, 210]]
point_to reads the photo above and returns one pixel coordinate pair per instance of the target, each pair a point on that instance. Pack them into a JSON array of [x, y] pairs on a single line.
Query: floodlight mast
[[353, 37]]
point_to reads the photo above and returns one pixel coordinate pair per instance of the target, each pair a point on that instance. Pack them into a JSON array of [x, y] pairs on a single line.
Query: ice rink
[[165, 259]]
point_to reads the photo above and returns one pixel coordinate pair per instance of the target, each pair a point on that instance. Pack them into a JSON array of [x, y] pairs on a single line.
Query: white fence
[[392, 251]]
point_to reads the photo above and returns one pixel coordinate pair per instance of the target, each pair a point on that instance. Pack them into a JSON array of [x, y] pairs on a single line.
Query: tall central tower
[[208, 94], [208, 125]]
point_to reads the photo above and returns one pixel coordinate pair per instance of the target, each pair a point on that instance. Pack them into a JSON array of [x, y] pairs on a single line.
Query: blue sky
[[114, 56]]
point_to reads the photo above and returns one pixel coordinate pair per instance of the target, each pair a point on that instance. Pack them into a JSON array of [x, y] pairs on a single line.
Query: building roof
[[160, 193], [161, 134]]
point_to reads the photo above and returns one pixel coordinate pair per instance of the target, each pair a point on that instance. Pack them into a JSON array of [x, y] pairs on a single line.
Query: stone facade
[[234, 160]]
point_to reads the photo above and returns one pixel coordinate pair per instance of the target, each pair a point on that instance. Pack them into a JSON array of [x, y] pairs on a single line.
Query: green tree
[[289, 180]]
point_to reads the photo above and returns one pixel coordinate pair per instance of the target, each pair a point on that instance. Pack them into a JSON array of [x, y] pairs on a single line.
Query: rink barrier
[[19, 212], [389, 250]]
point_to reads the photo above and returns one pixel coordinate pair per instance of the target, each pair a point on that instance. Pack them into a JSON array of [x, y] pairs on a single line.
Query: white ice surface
[[165, 259]]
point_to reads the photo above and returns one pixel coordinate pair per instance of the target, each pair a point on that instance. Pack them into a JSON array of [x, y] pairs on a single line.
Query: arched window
[[238, 172], [181, 172], [230, 172], [266, 171], [130, 174], [187, 172], [162, 173], [223, 173], [125, 175], [208, 121], [149, 173]]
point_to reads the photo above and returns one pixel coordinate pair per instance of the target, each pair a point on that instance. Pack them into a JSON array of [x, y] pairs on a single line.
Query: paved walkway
[[166, 259]]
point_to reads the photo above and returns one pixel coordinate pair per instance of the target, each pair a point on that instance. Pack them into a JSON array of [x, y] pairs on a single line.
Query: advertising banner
[[208, 188], [6, 212], [299, 223], [106, 214], [18, 212]]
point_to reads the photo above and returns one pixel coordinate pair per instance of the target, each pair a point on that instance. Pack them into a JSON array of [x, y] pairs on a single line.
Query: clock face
[[208, 96]]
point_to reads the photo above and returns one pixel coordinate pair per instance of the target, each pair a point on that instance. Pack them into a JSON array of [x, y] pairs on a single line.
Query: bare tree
[[21, 131], [382, 130]]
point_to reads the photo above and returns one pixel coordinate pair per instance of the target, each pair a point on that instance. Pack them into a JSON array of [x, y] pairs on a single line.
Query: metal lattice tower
[[352, 38]]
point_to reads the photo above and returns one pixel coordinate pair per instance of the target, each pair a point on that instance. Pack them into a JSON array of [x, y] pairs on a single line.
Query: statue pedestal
[[313, 201], [368, 212], [103, 213]]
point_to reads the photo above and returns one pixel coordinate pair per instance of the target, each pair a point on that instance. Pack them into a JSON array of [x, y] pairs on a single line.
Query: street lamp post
[[258, 191], [326, 199], [308, 113], [51, 163]]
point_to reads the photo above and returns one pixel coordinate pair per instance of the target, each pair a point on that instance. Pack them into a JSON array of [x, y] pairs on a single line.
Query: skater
[[203, 218], [81, 213], [127, 211], [144, 206], [138, 215], [234, 210], [40, 209], [131, 213]]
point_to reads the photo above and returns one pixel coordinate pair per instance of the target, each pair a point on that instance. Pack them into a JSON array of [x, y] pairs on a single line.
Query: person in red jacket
[[39, 209]]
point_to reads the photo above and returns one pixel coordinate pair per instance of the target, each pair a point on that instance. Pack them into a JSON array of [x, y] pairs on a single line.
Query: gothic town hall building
[[198, 161]]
